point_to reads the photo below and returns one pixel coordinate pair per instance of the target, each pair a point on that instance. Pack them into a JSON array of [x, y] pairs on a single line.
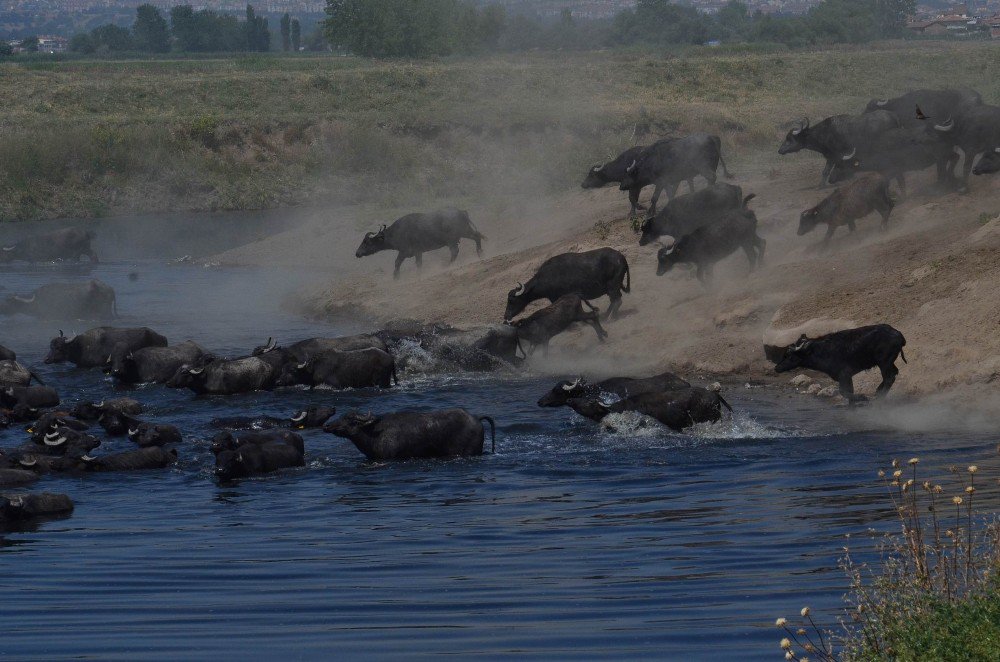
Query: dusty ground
[[935, 275]]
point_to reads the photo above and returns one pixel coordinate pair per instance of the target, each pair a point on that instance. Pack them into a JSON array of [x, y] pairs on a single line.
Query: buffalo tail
[[723, 401], [493, 432], [627, 280]]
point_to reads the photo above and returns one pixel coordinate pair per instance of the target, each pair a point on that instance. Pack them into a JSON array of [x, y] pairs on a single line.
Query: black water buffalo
[[667, 163], [837, 135], [896, 152], [7, 354], [35, 397], [843, 354], [153, 365], [311, 417], [541, 326], [407, 435], [975, 130], [937, 105], [361, 368], [92, 300], [622, 387], [415, 234], [32, 506], [65, 244], [89, 411], [227, 441], [478, 348], [686, 213], [711, 243], [677, 409], [13, 373], [52, 421], [154, 434], [254, 459], [613, 172], [93, 348], [591, 274], [853, 201], [142, 459], [303, 350], [989, 164], [228, 376], [63, 441], [16, 477]]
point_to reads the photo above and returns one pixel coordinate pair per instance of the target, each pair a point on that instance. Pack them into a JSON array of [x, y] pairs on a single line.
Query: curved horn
[[369, 235], [597, 168], [301, 416], [58, 442], [51, 435], [947, 126], [30, 299], [519, 290], [881, 102], [87, 458], [851, 155], [100, 404], [302, 366], [631, 167], [61, 334], [196, 371], [28, 463], [10, 248]]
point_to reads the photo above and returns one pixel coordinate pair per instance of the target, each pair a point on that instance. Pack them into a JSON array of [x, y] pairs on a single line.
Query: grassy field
[[92, 138]]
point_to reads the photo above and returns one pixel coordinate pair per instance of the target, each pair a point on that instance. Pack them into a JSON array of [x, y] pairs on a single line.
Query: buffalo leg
[[970, 156], [479, 245], [751, 250], [656, 196], [826, 174], [889, 373], [851, 227], [454, 252], [399, 262], [691, 185], [633, 198], [594, 320], [761, 246], [830, 229], [616, 303], [419, 258], [901, 180]]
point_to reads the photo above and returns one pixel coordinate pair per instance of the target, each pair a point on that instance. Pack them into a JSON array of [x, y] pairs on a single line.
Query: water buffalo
[[937, 105], [51, 422], [63, 441], [541, 326], [303, 350], [92, 300], [253, 459], [154, 434], [13, 373], [311, 417], [142, 459], [843, 354], [16, 478], [896, 152], [850, 202], [622, 387], [408, 435], [152, 365], [93, 348], [613, 172], [415, 234], [227, 441], [989, 164], [591, 274], [686, 213], [89, 411], [837, 135], [65, 244], [227, 376], [478, 348], [361, 368], [35, 397], [712, 243], [668, 162], [975, 130], [31, 506], [678, 409]]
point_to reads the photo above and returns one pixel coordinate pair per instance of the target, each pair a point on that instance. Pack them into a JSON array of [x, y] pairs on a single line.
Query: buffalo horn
[[997, 150], [9, 248], [519, 290], [881, 102], [947, 126], [851, 155], [58, 442], [30, 299], [28, 463], [196, 371], [369, 235], [298, 418], [631, 167], [302, 366], [87, 458], [132, 432], [597, 168]]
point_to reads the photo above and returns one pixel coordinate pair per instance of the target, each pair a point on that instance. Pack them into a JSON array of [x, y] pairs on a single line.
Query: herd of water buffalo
[[889, 139]]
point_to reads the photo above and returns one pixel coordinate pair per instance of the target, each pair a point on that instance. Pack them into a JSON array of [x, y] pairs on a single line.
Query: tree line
[[188, 31], [420, 28]]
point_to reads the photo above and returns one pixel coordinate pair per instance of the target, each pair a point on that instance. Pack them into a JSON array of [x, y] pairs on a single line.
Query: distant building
[[50, 44], [942, 25]]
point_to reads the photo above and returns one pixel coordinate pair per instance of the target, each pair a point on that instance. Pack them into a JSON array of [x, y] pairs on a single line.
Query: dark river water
[[570, 542]]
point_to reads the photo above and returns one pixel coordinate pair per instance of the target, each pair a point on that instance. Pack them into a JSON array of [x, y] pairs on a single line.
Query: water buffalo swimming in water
[[143, 459], [303, 350], [65, 244], [13, 373], [93, 348], [678, 409], [92, 300], [257, 453], [622, 387], [89, 411], [357, 369], [311, 417], [843, 354], [407, 435], [35, 397], [228, 377], [590, 274], [415, 234], [17, 509], [153, 365]]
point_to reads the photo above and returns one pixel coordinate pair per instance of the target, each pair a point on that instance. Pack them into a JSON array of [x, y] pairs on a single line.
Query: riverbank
[[94, 138]]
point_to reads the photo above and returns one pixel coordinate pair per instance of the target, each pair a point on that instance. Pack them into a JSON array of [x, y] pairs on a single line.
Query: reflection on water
[[570, 542]]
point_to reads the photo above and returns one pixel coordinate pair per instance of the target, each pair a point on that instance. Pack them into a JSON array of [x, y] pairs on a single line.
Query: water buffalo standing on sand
[[937, 105], [686, 213], [415, 234], [896, 152], [975, 130], [843, 354], [92, 300], [541, 326], [613, 172], [591, 274], [408, 435], [65, 244], [836, 136], [850, 202], [93, 348], [622, 387]]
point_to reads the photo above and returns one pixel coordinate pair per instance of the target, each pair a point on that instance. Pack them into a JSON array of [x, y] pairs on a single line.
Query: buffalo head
[[270, 346], [795, 355], [59, 349], [187, 377], [596, 177], [667, 258], [808, 220], [294, 373], [517, 301], [795, 139], [231, 464], [313, 417], [350, 424], [844, 169], [989, 164], [631, 176], [8, 253], [562, 392], [372, 243]]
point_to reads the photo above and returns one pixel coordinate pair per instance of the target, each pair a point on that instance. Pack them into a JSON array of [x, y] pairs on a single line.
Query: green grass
[[85, 137]]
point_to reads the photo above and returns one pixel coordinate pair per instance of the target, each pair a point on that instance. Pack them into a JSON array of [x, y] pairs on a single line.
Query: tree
[[392, 28], [296, 29], [5, 49], [112, 38], [258, 37], [891, 15], [734, 19], [150, 31], [82, 43], [286, 32], [29, 44]]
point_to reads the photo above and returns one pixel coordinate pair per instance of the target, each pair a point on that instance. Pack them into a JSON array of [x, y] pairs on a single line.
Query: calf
[[843, 354], [415, 234], [408, 435], [678, 409], [590, 274], [541, 326], [850, 202], [686, 213], [712, 243], [622, 387]]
